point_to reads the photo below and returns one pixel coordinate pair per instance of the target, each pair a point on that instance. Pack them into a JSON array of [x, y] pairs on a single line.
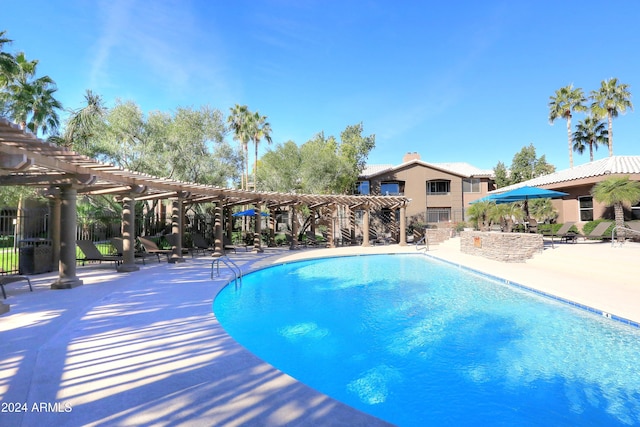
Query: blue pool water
[[417, 342]]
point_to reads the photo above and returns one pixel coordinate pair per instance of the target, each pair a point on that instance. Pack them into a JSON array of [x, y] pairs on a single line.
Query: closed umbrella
[[249, 212]]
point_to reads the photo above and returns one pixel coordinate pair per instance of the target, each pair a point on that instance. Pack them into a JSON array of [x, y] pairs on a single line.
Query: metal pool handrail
[[626, 230], [424, 240], [237, 272]]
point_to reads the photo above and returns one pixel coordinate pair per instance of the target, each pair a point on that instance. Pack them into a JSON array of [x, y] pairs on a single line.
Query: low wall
[[506, 247]]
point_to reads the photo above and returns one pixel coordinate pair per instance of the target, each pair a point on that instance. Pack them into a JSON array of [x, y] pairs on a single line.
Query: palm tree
[[479, 213], [611, 99], [617, 192], [260, 129], [82, 123], [30, 101], [589, 132], [44, 107], [566, 100], [239, 121], [8, 63]]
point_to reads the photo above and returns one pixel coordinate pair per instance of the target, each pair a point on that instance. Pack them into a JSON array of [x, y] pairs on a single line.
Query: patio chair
[[92, 253], [5, 280], [116, 242], [600, 232], [532, 227], [152, 248]]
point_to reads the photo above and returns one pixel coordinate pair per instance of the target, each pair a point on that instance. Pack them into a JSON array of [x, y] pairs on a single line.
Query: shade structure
[[249, 212], [526, 193]]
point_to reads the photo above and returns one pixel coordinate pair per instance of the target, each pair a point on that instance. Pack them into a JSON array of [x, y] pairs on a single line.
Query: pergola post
[[54, 227], [403, 226], [128, 235], [365, 226], [177, 219], [67, 278], [294, 228], [352, 224], [257, 234], [218, 239], [332, 227], [229, 224], [272, 227]]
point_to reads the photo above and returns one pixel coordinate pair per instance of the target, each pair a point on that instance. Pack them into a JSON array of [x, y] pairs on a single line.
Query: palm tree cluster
[[610, 100], [249, 127], [25, 98]]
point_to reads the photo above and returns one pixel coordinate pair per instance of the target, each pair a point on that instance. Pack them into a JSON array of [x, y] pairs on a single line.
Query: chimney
[[411, 156]]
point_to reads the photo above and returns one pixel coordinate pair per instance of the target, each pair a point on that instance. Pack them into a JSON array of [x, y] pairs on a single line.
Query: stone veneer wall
[[506, 247]]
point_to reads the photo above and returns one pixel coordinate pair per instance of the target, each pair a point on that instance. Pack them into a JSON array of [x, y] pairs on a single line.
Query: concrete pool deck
[[144, 348]]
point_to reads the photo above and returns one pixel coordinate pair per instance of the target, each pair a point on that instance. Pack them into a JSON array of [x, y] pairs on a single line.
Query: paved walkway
[[144, 348]]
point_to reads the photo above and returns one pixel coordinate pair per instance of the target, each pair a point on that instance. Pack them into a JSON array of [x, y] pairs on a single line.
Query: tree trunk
[[570, 141], [619, 216], [610, 134], [255, 167]]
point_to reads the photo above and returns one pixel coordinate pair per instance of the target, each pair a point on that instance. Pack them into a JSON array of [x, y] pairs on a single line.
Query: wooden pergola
[[28, 161]]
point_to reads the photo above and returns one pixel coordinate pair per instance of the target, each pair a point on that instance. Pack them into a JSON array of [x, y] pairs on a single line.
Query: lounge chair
[[92, 253], [116, 242], [532, 226], [200, 244], [600, 232], [315, 240], [564, 234], [152, 248], [4, 280], [632, 230]]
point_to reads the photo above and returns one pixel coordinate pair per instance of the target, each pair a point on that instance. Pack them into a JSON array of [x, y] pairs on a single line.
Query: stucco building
[[439, 192]]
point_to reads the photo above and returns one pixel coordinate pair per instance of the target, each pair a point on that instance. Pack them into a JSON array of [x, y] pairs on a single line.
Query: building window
[[390, 189], [635, 211], [438, 214], [362, 187], [438, 187], [471, 185], [586, 208]]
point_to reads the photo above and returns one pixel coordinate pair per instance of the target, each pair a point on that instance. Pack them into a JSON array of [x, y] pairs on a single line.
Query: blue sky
[[455, 81]]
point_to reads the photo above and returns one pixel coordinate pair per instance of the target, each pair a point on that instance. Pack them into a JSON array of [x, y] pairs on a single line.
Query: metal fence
[[25, 241]]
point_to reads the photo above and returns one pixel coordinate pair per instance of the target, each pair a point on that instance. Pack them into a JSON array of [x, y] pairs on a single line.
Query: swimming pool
[[418, 342]]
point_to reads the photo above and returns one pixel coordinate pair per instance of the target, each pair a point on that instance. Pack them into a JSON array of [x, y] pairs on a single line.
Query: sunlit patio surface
[[144, 348]]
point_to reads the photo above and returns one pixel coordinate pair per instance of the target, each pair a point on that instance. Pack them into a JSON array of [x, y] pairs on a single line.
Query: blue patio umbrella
[[526, 193], [521, 194], [249, 212]]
